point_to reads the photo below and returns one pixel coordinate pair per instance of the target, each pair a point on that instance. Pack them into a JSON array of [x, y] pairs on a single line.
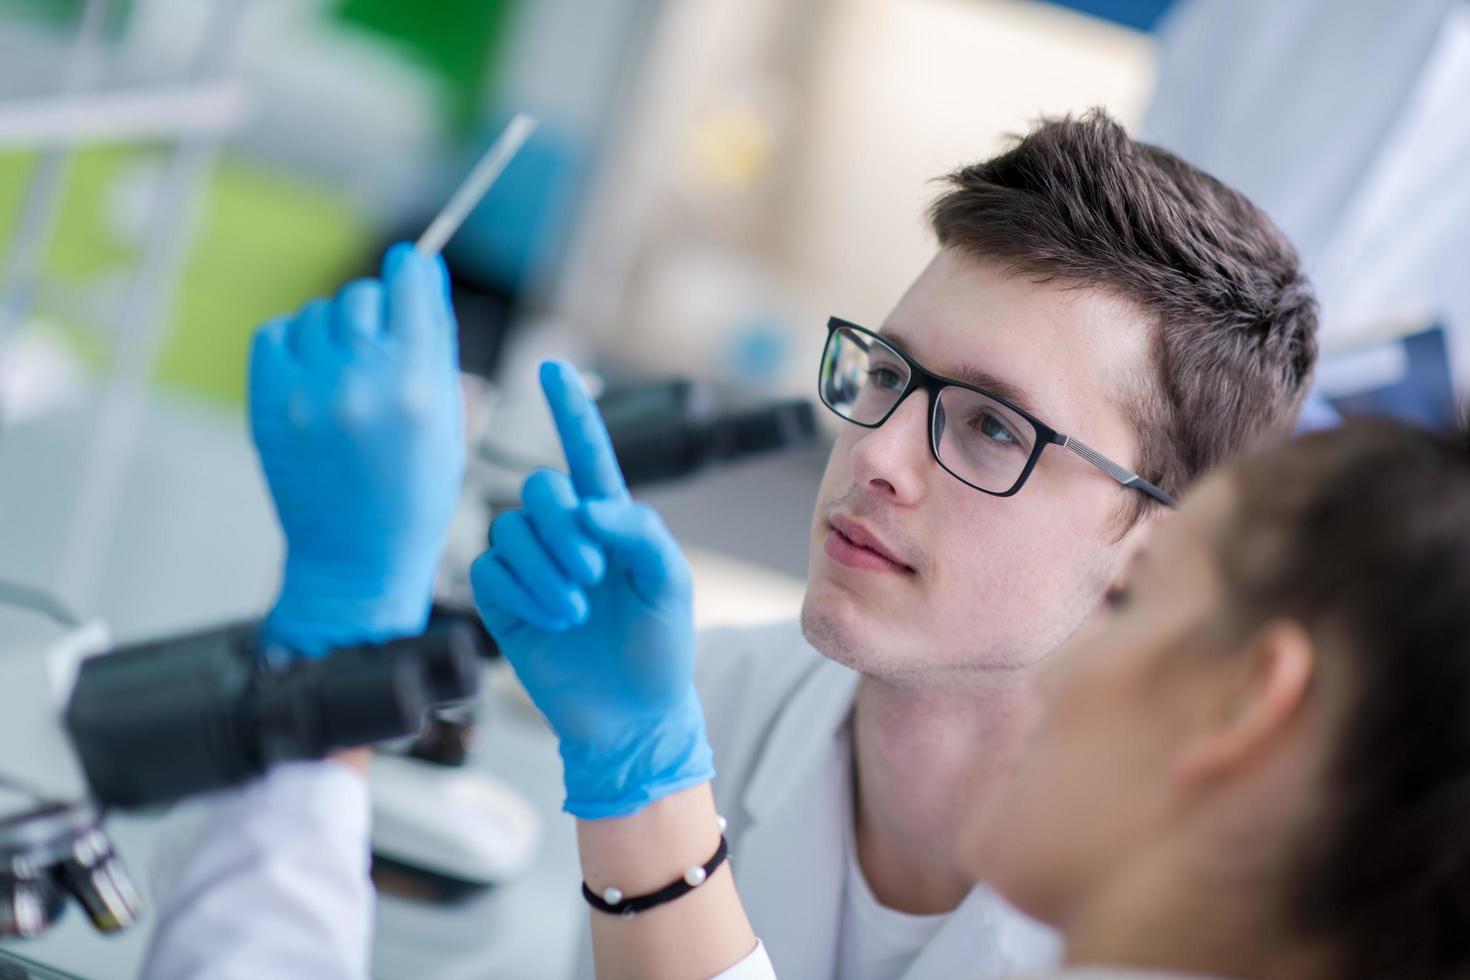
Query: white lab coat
[[776, 710], [272, 881], [1346, 121]]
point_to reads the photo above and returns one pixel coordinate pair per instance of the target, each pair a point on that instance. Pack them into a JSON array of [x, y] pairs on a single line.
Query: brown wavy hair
[[1362, 535], [1079, 202]]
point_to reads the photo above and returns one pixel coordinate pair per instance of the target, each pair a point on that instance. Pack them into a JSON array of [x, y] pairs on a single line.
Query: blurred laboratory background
[[709, 181]]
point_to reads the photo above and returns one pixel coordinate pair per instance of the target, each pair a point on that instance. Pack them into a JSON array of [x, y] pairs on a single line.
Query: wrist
[[317, 611], [615, 778], [646, 850], [704, 931]]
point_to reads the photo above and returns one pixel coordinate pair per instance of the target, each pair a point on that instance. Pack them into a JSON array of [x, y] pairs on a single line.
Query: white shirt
[[756, 966], [878, 943], [272, 881]]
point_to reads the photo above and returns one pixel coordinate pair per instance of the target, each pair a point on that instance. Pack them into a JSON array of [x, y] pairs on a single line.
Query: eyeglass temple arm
[[1124, 476]]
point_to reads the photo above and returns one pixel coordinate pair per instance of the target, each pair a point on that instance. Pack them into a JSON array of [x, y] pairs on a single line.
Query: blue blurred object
[[355, 411], [1407, 378], [1317, 414], [516, 234], [1143, 15], [757, 351]]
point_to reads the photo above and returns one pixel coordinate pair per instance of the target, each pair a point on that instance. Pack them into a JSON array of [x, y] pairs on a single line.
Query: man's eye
[[884, 377], [994, 429]]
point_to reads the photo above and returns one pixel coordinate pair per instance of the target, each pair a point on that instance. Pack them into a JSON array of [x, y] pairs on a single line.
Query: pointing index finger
[[590, 459]]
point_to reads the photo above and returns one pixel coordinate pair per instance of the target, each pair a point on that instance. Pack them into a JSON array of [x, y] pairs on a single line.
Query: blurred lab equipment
[[88, 728], [441, 829], [160, 720], [1364, 170], [673, 429], [198, 134], [1405, 376], [662, 430]]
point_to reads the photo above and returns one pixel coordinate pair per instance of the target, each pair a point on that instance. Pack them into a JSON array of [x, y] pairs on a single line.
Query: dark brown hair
[[1079, 202], [1363, 536]]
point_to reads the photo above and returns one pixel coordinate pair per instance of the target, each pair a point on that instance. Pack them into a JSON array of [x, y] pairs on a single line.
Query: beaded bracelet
[[613, 902]]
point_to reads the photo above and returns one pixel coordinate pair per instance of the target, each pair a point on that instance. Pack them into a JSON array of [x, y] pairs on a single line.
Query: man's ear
[[1251, 704]]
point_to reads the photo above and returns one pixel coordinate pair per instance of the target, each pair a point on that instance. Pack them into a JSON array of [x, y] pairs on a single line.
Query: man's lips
[[853, 545]]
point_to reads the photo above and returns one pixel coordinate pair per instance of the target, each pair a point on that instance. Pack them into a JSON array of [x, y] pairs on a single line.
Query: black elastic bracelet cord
[[642, 903]]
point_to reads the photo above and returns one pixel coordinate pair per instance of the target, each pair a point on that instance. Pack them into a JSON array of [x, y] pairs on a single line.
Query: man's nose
[[893, 460]]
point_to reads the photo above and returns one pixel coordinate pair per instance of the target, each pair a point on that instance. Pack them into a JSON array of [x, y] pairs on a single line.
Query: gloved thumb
[[635, 537], [417, 296]]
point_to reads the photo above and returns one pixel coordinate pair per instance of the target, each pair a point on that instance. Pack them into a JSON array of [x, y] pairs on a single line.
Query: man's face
[[970, 580]]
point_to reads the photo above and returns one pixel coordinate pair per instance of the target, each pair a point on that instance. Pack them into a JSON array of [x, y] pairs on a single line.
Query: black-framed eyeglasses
[[979, 438]]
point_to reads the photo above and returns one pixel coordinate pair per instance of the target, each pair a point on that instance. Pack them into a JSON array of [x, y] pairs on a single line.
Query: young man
[[1102, 288]]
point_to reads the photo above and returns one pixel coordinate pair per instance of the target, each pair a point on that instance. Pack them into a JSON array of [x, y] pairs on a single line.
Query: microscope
[[87, 727]]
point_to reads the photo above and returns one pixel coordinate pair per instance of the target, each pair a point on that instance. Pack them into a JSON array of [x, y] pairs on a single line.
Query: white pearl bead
[[695, 876], [723, 823], [612, 896]]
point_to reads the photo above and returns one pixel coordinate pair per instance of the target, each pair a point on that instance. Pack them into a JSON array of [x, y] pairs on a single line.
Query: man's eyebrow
[[973, 375], [999, 387]]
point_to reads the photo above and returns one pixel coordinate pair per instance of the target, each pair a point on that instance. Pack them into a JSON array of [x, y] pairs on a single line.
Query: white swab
[[453, 214]]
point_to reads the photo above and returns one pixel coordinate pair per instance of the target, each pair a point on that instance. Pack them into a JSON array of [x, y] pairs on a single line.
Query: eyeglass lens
[[975, 437]]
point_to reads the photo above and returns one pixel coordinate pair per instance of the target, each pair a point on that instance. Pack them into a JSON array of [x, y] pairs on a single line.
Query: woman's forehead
[[1184, 547]]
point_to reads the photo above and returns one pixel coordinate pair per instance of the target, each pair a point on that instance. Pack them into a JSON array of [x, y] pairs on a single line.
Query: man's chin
[[834, 628]]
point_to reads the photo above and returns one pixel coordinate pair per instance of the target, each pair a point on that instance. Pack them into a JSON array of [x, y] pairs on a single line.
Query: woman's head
[[1279, 710]]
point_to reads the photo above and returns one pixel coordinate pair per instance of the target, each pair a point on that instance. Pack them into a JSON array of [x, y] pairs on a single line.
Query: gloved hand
[[355, 408], [590, 599]]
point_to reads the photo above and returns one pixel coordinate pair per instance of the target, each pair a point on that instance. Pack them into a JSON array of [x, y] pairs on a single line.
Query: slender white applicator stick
[[458, 208]]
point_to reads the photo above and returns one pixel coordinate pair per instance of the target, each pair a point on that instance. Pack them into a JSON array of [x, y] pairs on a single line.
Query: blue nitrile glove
[[355, 409], [589, 598]]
